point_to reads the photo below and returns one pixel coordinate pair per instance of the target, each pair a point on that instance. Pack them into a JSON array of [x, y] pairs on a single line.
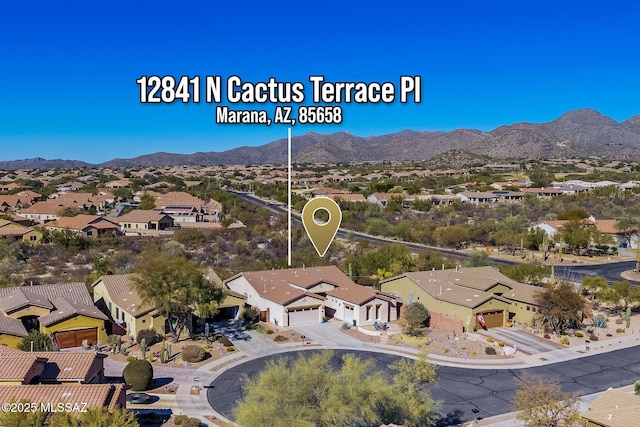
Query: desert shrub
[[489, 339], [593, 338], [130, 358], [150, 336], [619, 321], [500, 344], [490, 351], [225, 341], [193, 354], [280, 338], [180, 419], [620, 330], [547, 336], [138, 373], [230, 349], [579, 334], [564, 341], [112, 339], [636, 388], [269, 332], [250, 315]]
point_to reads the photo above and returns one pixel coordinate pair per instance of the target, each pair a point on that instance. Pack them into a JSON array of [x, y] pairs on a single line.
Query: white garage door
[[303, 316]]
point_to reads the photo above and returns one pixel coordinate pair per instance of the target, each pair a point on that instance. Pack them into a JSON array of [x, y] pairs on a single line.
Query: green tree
[[414, 317], [541, 403], [312, 391], [574, 214], [122, 193], [95, 417], [621, 294], [559, 306], [23, 419], [175, 287], [452, 236], [531, 274], [147, 202], [41, 342], [594, 285], [479, 259]]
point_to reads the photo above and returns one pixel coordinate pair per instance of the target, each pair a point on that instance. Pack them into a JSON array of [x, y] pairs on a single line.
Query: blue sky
[[69, 70]]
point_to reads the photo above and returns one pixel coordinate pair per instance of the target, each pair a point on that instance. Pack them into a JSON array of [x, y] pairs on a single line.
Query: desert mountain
[[583, 132]]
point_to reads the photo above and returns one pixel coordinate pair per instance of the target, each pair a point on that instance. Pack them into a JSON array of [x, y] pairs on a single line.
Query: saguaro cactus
[[143, 348]]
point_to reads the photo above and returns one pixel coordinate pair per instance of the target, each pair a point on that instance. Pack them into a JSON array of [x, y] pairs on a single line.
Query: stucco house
[[65, 311], [469, 295], [13, 230], [139, 221], [298, 296], [115, 295], [86, 225]]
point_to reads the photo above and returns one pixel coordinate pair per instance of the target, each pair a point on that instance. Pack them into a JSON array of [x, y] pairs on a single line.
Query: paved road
[[524, 342], [463, 390], [573, 272]]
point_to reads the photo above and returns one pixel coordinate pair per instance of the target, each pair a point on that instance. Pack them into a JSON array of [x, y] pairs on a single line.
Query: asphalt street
[[465, 393], [573, 272]]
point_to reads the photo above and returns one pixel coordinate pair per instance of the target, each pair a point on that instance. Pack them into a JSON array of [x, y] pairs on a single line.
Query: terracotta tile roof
[[19, 298], [76, 291], [348, 197], [94, 395], [11, 200], [614, 408], [358, 294], [48, 207], [9, 228], [142, 216], [177, 198], [65, 309], [447, 291], [12, 326], [21, 367], [286, 286], [68, 365], [81, 222], [122, 292]]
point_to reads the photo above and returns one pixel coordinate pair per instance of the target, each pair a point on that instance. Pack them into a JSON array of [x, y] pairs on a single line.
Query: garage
[[75, 338], [492, 319], [304, 316]]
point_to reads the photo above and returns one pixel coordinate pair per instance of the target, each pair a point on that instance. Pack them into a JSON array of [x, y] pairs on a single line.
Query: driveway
[[329, 335], [525, 342]]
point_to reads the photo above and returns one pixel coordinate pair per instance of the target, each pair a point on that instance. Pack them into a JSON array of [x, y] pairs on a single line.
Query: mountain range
[[578, 133]]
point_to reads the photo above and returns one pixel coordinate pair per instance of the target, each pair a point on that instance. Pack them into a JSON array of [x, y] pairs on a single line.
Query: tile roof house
[[10, 229], [141, 221], [466, 293], [299, 296], [65, 311], [110, 396], [51, 367], [87, 225], [614, 408], [115, 295]]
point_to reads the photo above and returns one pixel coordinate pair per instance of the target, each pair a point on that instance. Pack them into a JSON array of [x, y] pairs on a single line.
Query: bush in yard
[[280, 338], [193, 354], [225, 341], [620, 330], [593, 338], [564, 341], [150, 336], [183, 420], [490, 351], [414, 318], [138, 373], [579, 334]]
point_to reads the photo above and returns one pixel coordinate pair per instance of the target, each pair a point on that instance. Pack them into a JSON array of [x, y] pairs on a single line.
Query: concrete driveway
[[329, 335], [523, 341]]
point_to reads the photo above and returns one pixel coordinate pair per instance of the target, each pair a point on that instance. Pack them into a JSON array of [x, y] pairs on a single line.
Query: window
[[33, 238], [144, 320], [117, 312], [89, 233], [368, 313]]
